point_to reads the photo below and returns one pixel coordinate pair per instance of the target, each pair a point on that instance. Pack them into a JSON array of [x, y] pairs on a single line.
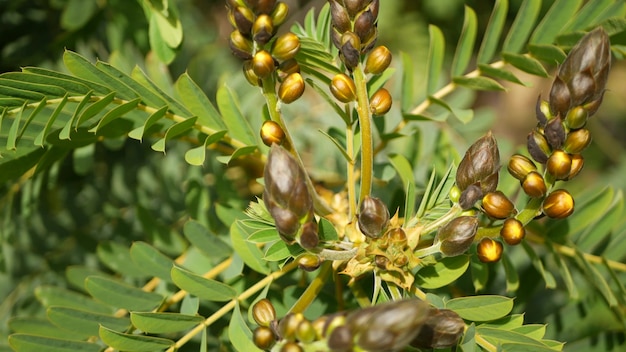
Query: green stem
[[313, 289], [351, 174], [451, 214], [365, 123]]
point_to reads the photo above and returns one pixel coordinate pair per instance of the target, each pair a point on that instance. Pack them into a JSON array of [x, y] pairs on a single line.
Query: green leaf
[[239, 333], [154, 117], [31, 343], [525, 63], [407, 81], [55, 296], [507, 323], [50, 91], [510, 272], [555, 19], [491, 39], [150, 260], [121, 295], [170, 28], [73, 84], [239, 152], [129, 342], [597, 279], [94, 108], [196, 156], [535, 331], [238, 126], [76, 13], [465, 46], [478, 83], [548, 53], [522, 26], [525, 347], [444, 272], [174, 131], [249, 252], [207, 242], [590, 208], [117, 258], [85, 323], [197, 102], [44, 133], [12, 135], [464, 115], [405, 171], [567, 276], [480, 274], [76, 275], [435, 58], [164, 52], [337, 144], [41, 327], [481, 308], [538, 264], [82, 68], [207, 289], [67, 129], [500, 337], [327, 231], [587, 15], [115, 113], [280, 250], [164, 323]]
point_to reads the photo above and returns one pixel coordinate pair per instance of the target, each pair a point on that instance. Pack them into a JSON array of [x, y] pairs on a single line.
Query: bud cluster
[[254, 40], [389, 326]]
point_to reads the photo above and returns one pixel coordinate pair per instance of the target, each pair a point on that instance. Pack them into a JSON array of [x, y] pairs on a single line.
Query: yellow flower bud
[[489, 250], [263, 337], [380, 102], [279, 14], [240, 45], [558, 204], [271, 133], [534, 185], [497, 205], [286, 46], [291, 89], [519, 166], [263, 312], [512, 231], [262, 29], [577, 141], [343, 88], [559, 164], [378, 60], [577, 165], [263, 64]]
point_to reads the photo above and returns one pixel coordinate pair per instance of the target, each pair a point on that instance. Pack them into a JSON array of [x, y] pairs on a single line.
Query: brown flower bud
[[350, 50], [354, 6], [279, 14], [263, 312], [340, 339], [364, 25], [339, 17], [559, 164], [519, 166], [538, 147], [248, 72], [288, 325], [243, 18], [309, 238], [577, 165], [534, 185], [559, 204], [480, 165], [373, 217], [291, 89], [263, 337], [264, 6], [576, 118], [286, 46], [271, 133], [343, 88], [470, 196], [540, 111], [512, 231], [263, 64], [380, 102], [291, 346], [497, 205], [287, 222], [577, 141], [397, 237], [286, 68], [309, 262], [240, 45], [443, 329], [378, 60], [262, 29], [489, 250], [457, 236], [555, 133]]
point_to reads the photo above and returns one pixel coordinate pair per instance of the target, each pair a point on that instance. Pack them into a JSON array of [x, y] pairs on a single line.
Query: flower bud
[[442, 329], [291, 346], [286, 68], [240, 45], [279, 14], [264, 6], [309, 238], [286, 221], [350, 50], [263, 64], [470, 196], [559, 204], [457, 236], [555, 133], [364, 25], [353, 6], [339, 17], [576, 118], [512, 231], [288, 325], [373, 217], [397, 237], [380, 102], [381, 262], [497, 205], [489, 250], [577, 165], [263, 312], [480, 165], [343, 88], [305, 332], [286, 46], [263, 338], [248, 72], [262, 29], [577, 141], [291, 89], [542, 111], [519, 166], [559, 164], [538, 147], [378, 60], [534, 185], [455, 194], [340, 339], [309, 262], [271, 133], [243, 18]]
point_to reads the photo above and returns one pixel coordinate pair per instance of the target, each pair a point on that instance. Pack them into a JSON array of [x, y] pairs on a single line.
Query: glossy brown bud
[[263, 337], [554, 132], [397, 237], [343, 88], [512, 231], [354, 6], [457, 236], [339, 17], [442, 329], [489, 250], [559, 204], [364, 25], [286, 68], [350, 50], [577, 165], [271, 133], [519, 166], [262, 29], [577, 141], [538, 147], [378, 60], [340, 339], [542, 111], [286, 221], [286, 46], [380, 102], [534, 185], [263, 312], [480, 165], [309, 238], [279, 14], [291, 89], [243, 17], [576, 118], [264, 6], [309, 262], [497, 205], [240, 45], [305, 332], [263, 64], [291, 346], [470, 196], [248, 72], [560, 97], [288, 325], [559, 164], [373, 217]]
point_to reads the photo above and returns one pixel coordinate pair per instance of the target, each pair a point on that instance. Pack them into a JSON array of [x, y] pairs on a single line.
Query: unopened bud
[[538, 147], [350, 50], [555, 133], [577, 165], [263, 337], [558, 204], [291, 346], [264, 6], [364, 26], [577, 141], [279, 14], [457, 236], [263, 64], [263, 312], [576, 118], [380, 102], [340, 339], [286, 68], [512, 231], [243, 18], [443, 329], [262, 29], [291, 89], [378, 60], [559, 164], [497, 205], [534, 185], [288, 325], [519, 166], [489, 250], [373, 217], [309, 262], [309, 238], [271, 133], [248, 72], [343, 88], [480, 165], [240, 45], [286, 46], [305, 332]]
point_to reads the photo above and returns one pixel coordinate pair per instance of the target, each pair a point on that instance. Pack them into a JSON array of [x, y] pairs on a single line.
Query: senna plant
[[240, 240]]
